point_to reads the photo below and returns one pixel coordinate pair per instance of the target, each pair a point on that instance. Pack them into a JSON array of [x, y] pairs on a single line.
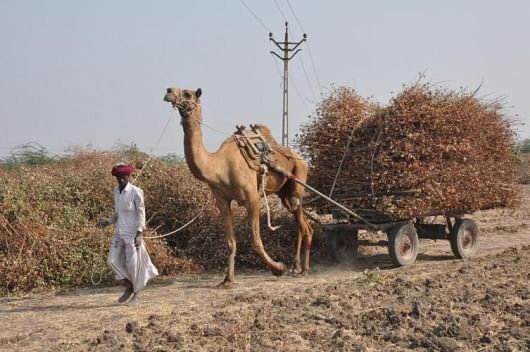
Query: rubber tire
[[455, 238], [394, 236], [342, 245]]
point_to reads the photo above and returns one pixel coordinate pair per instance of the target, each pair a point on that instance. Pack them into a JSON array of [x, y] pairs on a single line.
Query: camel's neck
[[200, 162]]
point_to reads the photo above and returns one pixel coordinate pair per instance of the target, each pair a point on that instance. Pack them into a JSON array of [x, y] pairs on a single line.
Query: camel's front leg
[[252, 205], [226, 213]]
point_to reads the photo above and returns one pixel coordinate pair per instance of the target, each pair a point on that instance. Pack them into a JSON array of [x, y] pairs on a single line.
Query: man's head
[[122, 172]]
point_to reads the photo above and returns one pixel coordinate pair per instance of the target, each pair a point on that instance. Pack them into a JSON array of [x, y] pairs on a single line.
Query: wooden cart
[[403, 235]]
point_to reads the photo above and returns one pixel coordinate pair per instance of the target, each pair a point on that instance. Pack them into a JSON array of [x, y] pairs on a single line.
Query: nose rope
[[155, 147], [224, 133]]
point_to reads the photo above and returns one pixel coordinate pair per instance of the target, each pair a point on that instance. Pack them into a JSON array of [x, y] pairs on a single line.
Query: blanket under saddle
[[258, 143]]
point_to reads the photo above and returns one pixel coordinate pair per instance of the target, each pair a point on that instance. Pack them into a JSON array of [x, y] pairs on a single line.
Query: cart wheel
[[342, 245], [403, 244], [464, 238]]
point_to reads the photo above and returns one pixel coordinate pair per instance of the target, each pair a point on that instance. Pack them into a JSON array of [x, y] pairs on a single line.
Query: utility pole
[[286, 47]]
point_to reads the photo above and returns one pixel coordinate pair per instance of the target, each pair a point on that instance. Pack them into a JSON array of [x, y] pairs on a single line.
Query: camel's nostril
[[168, 90]]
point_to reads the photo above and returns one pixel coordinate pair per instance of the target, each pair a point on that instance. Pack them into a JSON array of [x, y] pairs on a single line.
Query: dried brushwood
[[430, 151]]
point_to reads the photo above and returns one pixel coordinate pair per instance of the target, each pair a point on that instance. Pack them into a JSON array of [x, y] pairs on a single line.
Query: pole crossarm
[[278, 56]]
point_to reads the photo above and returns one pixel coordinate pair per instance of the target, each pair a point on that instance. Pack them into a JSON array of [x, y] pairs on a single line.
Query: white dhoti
[[129, 262]]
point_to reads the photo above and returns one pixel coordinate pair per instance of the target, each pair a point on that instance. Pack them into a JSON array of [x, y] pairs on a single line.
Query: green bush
[[524, 146], [30, 154]]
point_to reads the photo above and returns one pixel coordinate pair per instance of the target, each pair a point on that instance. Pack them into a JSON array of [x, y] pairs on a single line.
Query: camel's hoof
[[226, 285], [279, 272], [300, 273], [304, 273], [296, 270]]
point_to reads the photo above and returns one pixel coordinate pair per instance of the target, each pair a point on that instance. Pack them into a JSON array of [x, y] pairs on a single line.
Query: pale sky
[[94, 72]]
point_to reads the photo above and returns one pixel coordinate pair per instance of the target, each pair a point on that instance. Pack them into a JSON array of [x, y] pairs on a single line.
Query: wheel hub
[[467, 239], [406, 245]]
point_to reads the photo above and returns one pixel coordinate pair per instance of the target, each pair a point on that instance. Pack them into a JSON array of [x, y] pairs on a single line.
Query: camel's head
[[185, 100]]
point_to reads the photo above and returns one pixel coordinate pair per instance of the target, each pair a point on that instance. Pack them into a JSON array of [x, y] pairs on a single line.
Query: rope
[[177, 230], [350, 138], [216, 130], [94, 272], [342, 161], [156, 146], [200, 122], [264, 171]]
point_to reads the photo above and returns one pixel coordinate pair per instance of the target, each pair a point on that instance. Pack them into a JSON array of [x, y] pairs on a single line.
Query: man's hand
[[102, 223], [138, 239]]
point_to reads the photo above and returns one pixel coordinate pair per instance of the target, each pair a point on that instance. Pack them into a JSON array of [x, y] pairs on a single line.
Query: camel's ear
[[198, 93]]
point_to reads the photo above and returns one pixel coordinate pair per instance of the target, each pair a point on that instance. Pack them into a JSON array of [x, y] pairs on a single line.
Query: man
[[128, 257]]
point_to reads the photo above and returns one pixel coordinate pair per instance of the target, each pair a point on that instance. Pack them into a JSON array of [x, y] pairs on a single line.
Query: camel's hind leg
[[307, 234], [292, 195], [304, 237]]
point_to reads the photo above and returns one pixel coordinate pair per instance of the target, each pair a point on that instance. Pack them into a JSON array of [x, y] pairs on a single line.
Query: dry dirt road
[[438, 304]]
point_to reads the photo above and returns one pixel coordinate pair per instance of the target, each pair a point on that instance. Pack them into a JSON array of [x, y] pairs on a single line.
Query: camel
[[230, 178]]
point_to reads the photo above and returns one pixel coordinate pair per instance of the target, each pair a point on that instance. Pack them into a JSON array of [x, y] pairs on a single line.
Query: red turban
[[122, 169]]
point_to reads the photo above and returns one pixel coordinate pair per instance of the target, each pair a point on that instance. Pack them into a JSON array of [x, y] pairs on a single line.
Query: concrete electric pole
[[286, 47]]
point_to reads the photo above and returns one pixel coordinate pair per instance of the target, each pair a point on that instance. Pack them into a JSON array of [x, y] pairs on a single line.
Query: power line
[[308, 46], [302, 100], [280, 10], [277, 70], [255, 16], [307, 79], [314, 67], [295, 17], [295, 86]]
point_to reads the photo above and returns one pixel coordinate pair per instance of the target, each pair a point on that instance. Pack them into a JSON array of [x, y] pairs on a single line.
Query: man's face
[[122, 180]]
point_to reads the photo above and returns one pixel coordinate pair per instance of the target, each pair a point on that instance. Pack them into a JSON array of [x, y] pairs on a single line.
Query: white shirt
[[129, 210]]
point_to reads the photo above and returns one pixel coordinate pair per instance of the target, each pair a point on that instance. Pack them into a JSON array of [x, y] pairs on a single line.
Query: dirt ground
[[438, 304]]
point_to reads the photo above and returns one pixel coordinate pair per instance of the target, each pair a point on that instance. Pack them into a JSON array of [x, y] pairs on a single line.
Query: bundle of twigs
[[430, 151]]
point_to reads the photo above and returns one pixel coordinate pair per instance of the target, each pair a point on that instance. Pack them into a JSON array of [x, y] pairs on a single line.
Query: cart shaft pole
[[305, 185], [338, 205]]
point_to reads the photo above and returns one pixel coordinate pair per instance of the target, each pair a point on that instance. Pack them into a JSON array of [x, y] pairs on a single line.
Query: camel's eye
[[187, 95], [169, 90]]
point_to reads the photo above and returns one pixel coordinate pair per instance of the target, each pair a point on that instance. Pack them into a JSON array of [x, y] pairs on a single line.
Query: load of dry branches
[[431, 151]]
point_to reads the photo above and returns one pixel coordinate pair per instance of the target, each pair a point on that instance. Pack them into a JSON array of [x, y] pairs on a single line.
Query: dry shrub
[[47, 217], [33, 256], [453, 151], [48, 212]]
